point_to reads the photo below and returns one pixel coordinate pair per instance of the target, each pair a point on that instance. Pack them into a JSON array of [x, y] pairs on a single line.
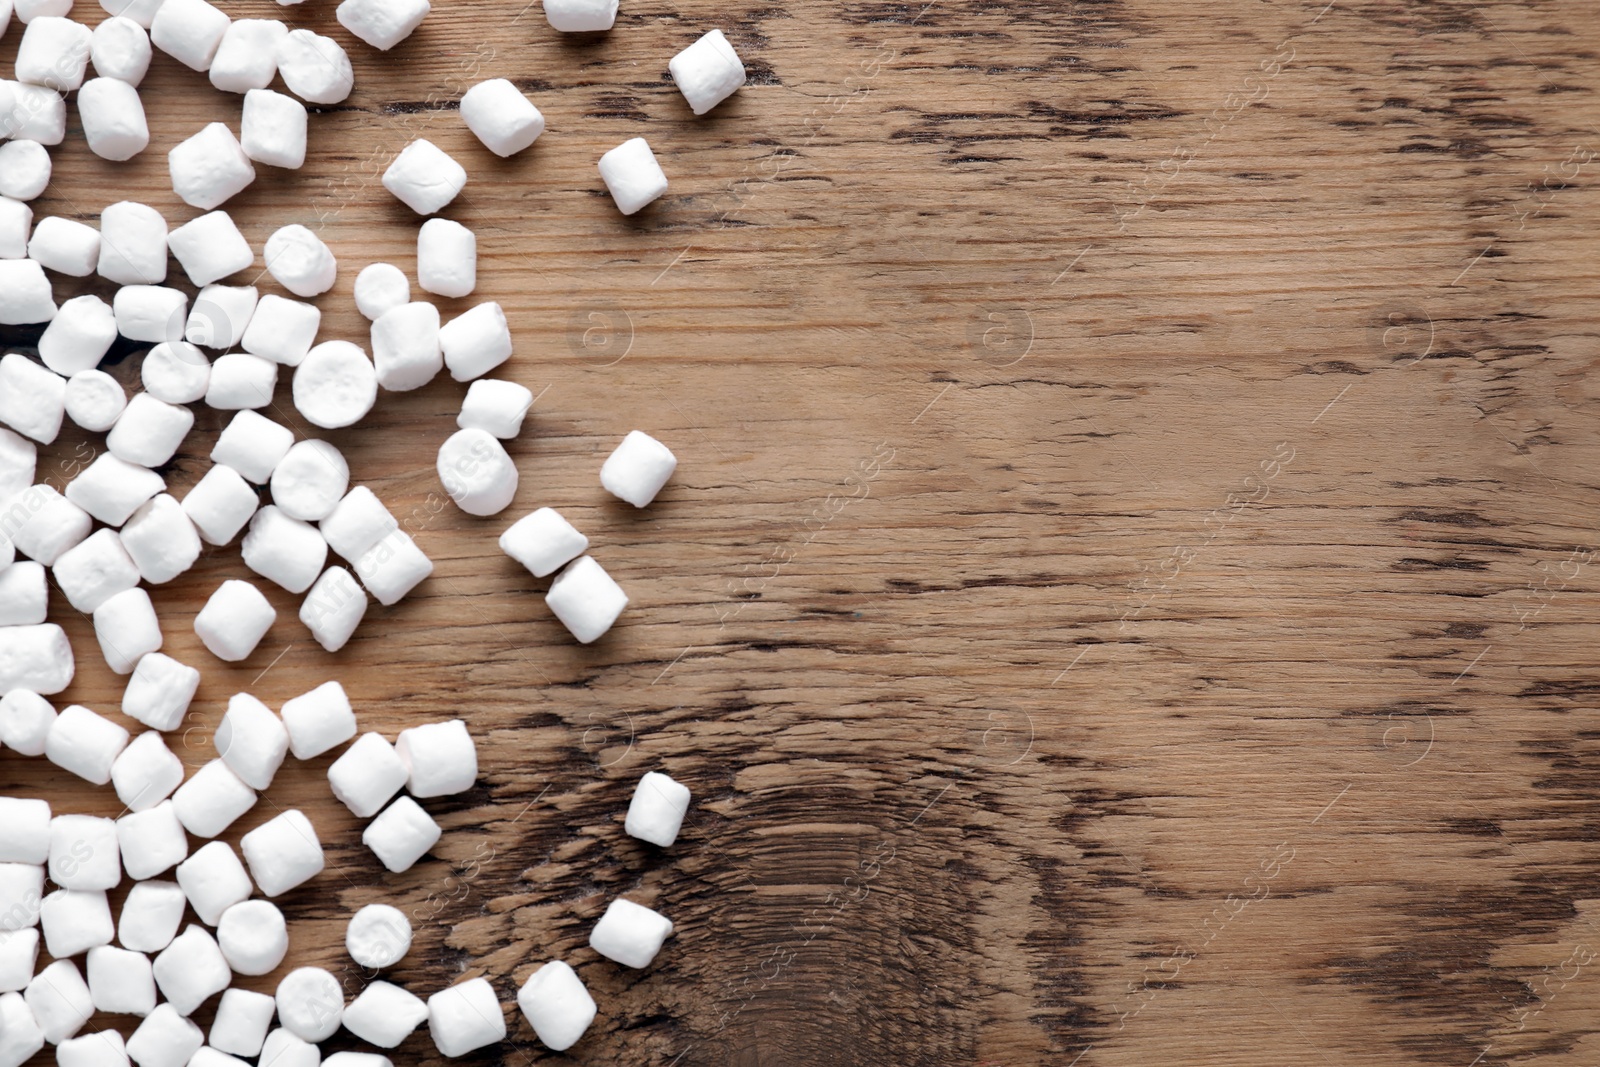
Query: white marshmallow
[[356, 523], [284, 1049], [25, 297], [140, 11], [282, 330], [234, 620], [379, 935], [24, 821], [447, 258], [580, 16], [367, 775], [477, 473], [145, 773], [150, 916], [94, 398], [707, 72], [24, 594], [629, 933], [543, 542], [19, 459], [21, 894], [113, 120], [54, 52], [253, 937], [86, 744], [149, 432], [220, 315], [161, 540], [16, 219], [284, 550], [315, 68], [60, 1001], [165, 1039], [465, 1017], [111, 489], [656, 811], [206, 1056], [220, 504], [476, 341], [83, 848], [247, 58], [28, 10], [557, 1005], [176, 372], [126, 626], [273, 128], [495, 406], [191, 970], [500, 116], [32, 398], [310, 1003], [212, 799], [283, 852], [632, 174], [152, 313], [405, 346], [240, 381], [133, 243], [35, 658], [401, 835], [43, 523], [159, 692], [318, 720], [252, 741], [209, 248], [440, 758], [335, 385], [19, 955], [95, 569], [300, 261], [214, 880], [104, 1049], [39, 114], [382, 23], [333, 608], [209, 167], [120, 48], [20, 1035], [241, 1024], [586, 599], [252, 445], [380, 287], [24, 168], [189, 31], [424, 177], [392, 568], [65, 246], [151, 841], [358, 1059], [120, 981], [311, 477], [637, 468], [384, 1015]]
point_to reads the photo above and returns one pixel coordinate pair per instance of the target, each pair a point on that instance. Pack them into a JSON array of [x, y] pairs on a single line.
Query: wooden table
[[1124, 597]]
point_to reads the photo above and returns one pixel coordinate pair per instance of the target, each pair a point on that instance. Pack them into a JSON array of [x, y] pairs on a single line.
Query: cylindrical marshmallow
[[632, 174], [315, 68], [252, 444], [133, 244], [284, 1049], [152, 313], [367, 775], [393, 567], [20, 1027], [149, 431], [176, 372], [465, 1017], [382, 23], [54, 52], [580, 16], [39, 114], [165, 1038], [543, 542], [65, 245], [50, 523], [310, 480], [300, 261], [242, 1020], [145, 773], [28, 10], [381, 287], [60, 1001], [24, 593], [253, 937], [214, 880], [310, 1003], [113, 119], [32, 398], [160, 539], [240, 381], [220, 504], [637, 468], [252, 741], [189, 31], [209, 248], [74, 921], [83, 848], [501, 117], [424, 177], [282, 330], [440, 758], [401, 835], [95, 569], [557, 1005], [37, 658], [384, 1015], [191, 970], [111, 489], [333, 608], [476, 341], [220, 315], [405, 346], [247, 56], [656, 811], [150, 916], [211, 800], [24, 169], [477, 472], [586, 599], [318, 720], [121, 983], [707, 72], [16, 220], [378, 936], [159, 691], [629, 933], [120, 48], [356, 523], [140, 11], [335, 385], [151, 841], [283, 852], [94, 398], [273, 129], [25, 296], [234, 620], [209, 167], [79, 337], [495, 406], [127, 628], [25, 721], [447, 258]]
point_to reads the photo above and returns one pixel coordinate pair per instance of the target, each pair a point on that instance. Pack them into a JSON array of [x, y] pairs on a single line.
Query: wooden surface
[[1126, 594]]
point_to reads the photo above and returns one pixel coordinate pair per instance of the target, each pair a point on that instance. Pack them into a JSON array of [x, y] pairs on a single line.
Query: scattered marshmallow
[[149, 431], [637, 468], [32, 398], [49, 522], [632, 174], [333, 608], [252, 741], [209, 167], [113, 119], [543, 541], [151, 841], [356, 523], [358, 1059], [586, 599], [367, 775], [120, 48], [384, 1015], [19, 459], [120, 982], [273, 129], [318, 720], [557, 1005], [234, 620], [35, 658], [28, 10], [209, 248], [24, 594], [16, 219], [103, 1049], [477, 472], [284, 550], [707, 72], [476, 341], [24, 825], [160, 539], [152, 313], [54, 52], [496, 406], [392, 568], [300, 261], [282, 330], [381, 287], [25, 297], [311, 478], [247, 58], [253, 937], [189, 31], [240, 381], [379, 935], [126, 627], [220, 315], [159, 691], [283, 852], [20, 1035], [382, 23], [140, 11], [315, 68], [213, 880], [405, 346], [401, 835], [175, 371], [86, 744], [253, 445], [94, 398], [500, 116], [310, 1003], [440, 758], [447, 258], [220, 504], [25, 719], [424, 177], [165, 1039], [65, 246], [60, 1001], [212, 798], [656, 811], [629, 933], [580, 16], [95, 569], [190, 971], [21, 892], [40, 114], [145, 773], [133, 241], [24, 168], [150, 916], [465, 1017], [242, 1020], [335, 385], [206, 1056], [112, 489], [284, 1049], [19, 955], [83, 848]]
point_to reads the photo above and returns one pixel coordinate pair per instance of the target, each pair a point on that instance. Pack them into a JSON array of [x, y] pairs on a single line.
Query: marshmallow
[[159, 691], [384, 1015], [150, 916], [104, 1049], [126, 627], [133, 242], [405, 346], [382, 23], [65, 246], [440, 758], [211, 800], [190, 970], [25, 297], [557, 1005], [39, 114], [95, 569], [632, 174], [113, 120], [707, 72], [392, 568], [637, 469], [206, 1056], [542, 541], [380, 287], [144, 776], [161, 540], [283, 1049], [19, 955], [214, 880], [252, 445], [495, 406], [300, 261], [656, 811], [83, 848], [241, 1023], [151, 841], [241, 381], [209, 248], [209, 167], [16, 218], [32, 399], [19, 459], [586, 599], [94, 398], [315, 68], [318, 721], [164, 1039], [273, 128], [234, 620], [120, 48], [24, 822], [367, 775], [43, 523], [500, 116], [35, 658], [311, 477], [60, 1001], [28, 10], [282, 330], [283, 852], [111, 489], [21, 887], [24, 169], [378, 936], [310, 1003], [25, 719], [580, 16], [120, 981], [220, 314], [247, 58], [447, 258], [252, 741], [356, 523], [284, 550], [333, 608], [358, 1059], [253, 937], [464, 1017], [424, 178], [20, 1036], [140, 11], [86, 744], [401, 835], [150, 313], [54, 52], [477, 473], [335, 385], [24, 594], [629, 933], [220, 504], [476, 341], [189, 31], [149, 432], [176, 372]]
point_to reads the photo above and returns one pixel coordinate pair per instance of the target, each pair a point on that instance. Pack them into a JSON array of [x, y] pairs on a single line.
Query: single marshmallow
[[24, 168], [440, 758], [252, 741], [149, 432], [241, 381], [151, 841], [707, 72], [356, 523], [103, 1049], [191, 970], [140, 11], [333, 608], [543, 541], [401, 835], [165, 1039], [405, 346], [632, 174], [206, 1056], [39, 114], [83, 848], [335, 385], [43, 523], [16, 219], [358, 1059], [657, 809], [19, 955], [212, 798], [145, 774], [213, 880], [220, 504], [380, 287], [24, 594], [391, 568], [310, 1003], [580, 16], [133, 242], [501, 117], [284, 550], [175, 371], [311, 477], [21, 892], [234, 620], [282, 330], [25, 297], [367, 775], [113, 120], [629, 933], [384, 1015], [35, 658], [477, 472], [447, 258], [253, 937], [465, 1017], [24, 822], [65, 246], [111, 489], [126, 626], [94, 398], [284, 1049], [86, 744], [160, 539], [273, 128], [315, 68], [557, 1005], [209, 248], [424, 177], [318, 720], [150, 916], [159, 692], [60, 1001], [54, 52], [300, 261], [32, 398], [283, 852], [95, 569], [152, 313], [252, 444], [378, 936], [242, 1020], [637, 468], [586, 599], [28, 10], [120, 981], [19, 459], [247, 58], [495, 406], [20, 1035], [220, 315], [189, 31], [209, 167], [382, 23], [120, 48]]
